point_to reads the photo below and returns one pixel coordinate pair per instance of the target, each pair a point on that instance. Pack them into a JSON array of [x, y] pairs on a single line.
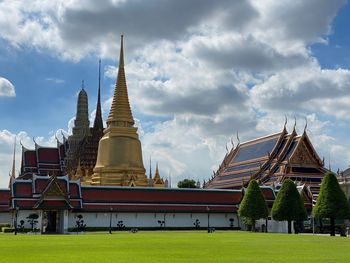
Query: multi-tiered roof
[[270, 160]]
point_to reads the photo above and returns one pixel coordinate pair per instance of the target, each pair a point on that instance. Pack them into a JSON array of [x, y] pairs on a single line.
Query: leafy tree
[[187, 183], [253, 205], [288, 205], [331, 202]]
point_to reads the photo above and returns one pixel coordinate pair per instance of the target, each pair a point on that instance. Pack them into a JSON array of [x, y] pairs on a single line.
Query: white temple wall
[[6, 218], [273, 226], [101, 219], [23, 214]]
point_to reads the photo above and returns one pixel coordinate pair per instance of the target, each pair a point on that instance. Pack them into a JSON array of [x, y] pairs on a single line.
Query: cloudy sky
[[198, 72]]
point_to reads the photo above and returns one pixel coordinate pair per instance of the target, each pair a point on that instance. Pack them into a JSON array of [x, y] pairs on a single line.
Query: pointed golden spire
[[156, 174], [120, 113]]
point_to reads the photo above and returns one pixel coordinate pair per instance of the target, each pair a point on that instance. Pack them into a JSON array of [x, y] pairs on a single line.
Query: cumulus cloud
[[198, 71], [6, 88], [312, 89]]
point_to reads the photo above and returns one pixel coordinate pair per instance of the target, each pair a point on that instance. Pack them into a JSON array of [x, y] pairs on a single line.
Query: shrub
[[288, 205], [7, 229], [331, 202], [253, 205]]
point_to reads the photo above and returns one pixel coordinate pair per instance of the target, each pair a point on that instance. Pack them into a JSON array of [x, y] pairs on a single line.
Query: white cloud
[[306, 89], [6, 88], [223, 67]]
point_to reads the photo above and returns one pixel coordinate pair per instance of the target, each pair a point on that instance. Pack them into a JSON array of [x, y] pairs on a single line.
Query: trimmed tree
[[187, 183], [253, 205], [331, 202], [288, 205]]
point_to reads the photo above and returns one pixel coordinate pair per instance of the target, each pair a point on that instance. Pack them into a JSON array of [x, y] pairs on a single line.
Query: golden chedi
[[119, 158]]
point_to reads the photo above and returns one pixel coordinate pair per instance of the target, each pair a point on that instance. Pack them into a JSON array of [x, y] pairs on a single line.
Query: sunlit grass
[[221, 246]]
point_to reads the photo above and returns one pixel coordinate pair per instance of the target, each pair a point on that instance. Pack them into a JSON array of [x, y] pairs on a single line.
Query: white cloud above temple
[[6, 88], [197, 72]]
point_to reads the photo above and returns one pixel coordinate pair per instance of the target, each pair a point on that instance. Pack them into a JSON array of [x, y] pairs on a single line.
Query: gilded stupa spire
[[120, 114], [98, 123], [156, 174], [119, 158]]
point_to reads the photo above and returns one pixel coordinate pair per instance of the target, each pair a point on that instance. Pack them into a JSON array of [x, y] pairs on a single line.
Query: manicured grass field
[[174, 247]]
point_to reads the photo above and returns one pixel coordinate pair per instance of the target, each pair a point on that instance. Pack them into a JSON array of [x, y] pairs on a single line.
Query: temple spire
[[150, 167], [120, 114], [98, 123], [13, 172], [156, 174]]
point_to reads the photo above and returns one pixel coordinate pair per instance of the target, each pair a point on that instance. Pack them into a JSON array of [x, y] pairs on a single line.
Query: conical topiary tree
[[331, 202], [288, 205], [253, 205]]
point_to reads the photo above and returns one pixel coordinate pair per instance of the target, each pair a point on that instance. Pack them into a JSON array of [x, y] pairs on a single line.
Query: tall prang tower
[[80, 130], [119, 158], [86, 152]]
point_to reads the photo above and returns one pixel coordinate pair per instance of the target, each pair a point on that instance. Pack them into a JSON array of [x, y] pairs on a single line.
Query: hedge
[[7, 229]]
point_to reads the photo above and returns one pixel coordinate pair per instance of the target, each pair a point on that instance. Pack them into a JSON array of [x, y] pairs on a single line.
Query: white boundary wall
[[151, 219]]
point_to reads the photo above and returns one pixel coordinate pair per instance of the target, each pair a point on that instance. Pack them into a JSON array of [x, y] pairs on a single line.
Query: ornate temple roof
[[42, 161], [270, 160], [45, 192], [59, 193]]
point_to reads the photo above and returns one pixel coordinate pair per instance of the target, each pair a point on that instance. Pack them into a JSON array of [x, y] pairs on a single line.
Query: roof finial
[[82, 84], [232, 143], [99, 72], [305, 124], [239, 141], [150, 167], [295, 123], [285, 122], [121, 57]]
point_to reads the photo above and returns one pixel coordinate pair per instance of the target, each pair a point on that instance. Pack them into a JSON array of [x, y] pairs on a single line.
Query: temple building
[[270, 160], [119, 159], [92, 155], [86, 150], [344, 181], [80, 130], [98, 175]]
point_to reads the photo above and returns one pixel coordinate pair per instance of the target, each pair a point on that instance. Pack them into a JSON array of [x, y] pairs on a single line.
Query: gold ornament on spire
[[120, 114]]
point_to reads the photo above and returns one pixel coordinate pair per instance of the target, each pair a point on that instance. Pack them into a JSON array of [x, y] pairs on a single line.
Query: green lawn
[[218, 247]]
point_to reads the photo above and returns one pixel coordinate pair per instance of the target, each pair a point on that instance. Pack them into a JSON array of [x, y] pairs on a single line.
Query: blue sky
[[197, 72], [337, 52]]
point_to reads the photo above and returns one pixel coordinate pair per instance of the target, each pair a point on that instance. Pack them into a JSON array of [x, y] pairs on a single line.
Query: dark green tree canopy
[[253, 205], [187, 183], [331, 201], [288, 205]]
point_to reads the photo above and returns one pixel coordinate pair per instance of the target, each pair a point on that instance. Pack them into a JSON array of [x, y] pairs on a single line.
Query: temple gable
[[303, 156]]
